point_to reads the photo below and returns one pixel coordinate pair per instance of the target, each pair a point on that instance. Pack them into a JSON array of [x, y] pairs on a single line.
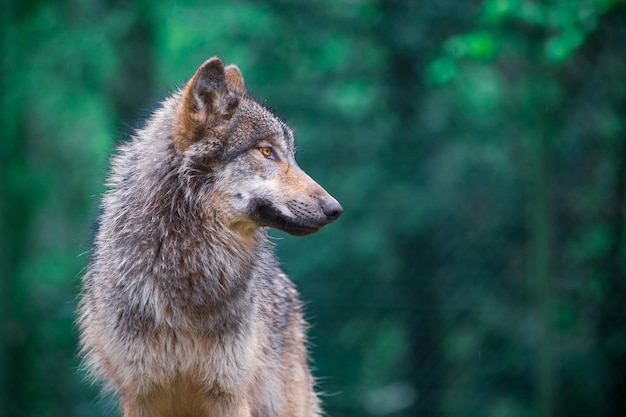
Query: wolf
[[185, 310]]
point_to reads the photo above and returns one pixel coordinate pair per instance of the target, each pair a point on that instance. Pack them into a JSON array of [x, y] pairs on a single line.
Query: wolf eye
[[266, 151]]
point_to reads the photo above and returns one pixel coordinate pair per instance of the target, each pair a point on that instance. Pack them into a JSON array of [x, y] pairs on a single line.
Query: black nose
[[332, 209]]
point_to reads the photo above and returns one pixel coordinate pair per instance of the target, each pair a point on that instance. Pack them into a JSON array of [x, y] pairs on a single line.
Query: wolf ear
[[234, 80], [208, 101]]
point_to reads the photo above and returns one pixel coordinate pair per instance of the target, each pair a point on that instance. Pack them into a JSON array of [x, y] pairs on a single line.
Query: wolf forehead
[[217, 115], [254, 123]]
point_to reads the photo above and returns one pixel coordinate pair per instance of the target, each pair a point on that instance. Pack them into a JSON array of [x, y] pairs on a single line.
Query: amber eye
[[266, 151]]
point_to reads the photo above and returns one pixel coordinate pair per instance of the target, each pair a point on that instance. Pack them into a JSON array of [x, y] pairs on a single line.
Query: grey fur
[[185, 310]]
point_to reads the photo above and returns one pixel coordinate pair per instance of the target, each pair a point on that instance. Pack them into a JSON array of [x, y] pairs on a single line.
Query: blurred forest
[[478, 149]]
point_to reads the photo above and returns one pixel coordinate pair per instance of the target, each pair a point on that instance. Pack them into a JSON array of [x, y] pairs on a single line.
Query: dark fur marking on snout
[[263, 212], [303, 211]]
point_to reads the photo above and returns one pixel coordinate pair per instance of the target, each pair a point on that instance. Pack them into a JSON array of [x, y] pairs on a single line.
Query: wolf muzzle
[[303, 217]]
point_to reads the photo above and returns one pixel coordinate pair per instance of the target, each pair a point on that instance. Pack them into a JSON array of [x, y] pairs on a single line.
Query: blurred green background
[[478, 148]]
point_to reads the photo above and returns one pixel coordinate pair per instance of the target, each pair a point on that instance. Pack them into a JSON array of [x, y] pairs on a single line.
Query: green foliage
[[478, 151], [565, 25]]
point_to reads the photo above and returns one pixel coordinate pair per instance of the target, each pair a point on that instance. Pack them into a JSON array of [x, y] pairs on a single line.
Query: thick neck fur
[[178, 258]]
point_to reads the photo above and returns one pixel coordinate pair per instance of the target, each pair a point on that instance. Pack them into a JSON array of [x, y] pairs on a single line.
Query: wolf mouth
[[263, 212]]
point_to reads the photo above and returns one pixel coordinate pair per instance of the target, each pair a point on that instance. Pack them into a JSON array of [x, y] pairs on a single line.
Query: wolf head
[[247, 153]]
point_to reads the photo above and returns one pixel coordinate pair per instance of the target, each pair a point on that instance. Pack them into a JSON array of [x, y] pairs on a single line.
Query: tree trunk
[[613, 313], [541, 244]]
